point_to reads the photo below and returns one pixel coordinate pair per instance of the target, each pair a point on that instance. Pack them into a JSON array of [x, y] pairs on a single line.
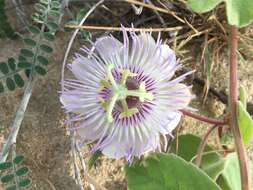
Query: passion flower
[[124, 97]]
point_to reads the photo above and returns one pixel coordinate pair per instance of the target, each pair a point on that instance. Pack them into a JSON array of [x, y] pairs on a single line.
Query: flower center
[[126, 92]]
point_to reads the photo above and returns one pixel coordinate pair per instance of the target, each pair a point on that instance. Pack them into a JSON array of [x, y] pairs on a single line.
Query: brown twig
[[233, 97], [204, 118], [86, 27], [203, 144]]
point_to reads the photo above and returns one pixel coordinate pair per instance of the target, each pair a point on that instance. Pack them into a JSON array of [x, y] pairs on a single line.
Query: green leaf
[[239, 12], [7, 178], [37, 18], [245, 123], [203, 6], [167, 172], [24, 64], [10, 84], [48, 36], [5, 165], [231, 174], [212, 164], [46, 2], [243, 96], [4, 68], [40, 7], [22, 171], [34, 29], [18, 159], [26, 52], [24, 182], [40, 70], [55, 4], [12, 187], [55, 13], [94, 158], [21, 58], [41, 59], [12, 64], [86, 35], [1, 87], [52, 25], [29, 41], [188, 144], [18, 80], [222, 183], [81, 14], [46, 48], [55, 9]]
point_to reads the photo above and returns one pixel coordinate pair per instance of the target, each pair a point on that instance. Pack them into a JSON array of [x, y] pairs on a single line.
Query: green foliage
[[230, 178], [245, 123], [5, 165], [243, 96], [29, 42], [239, 12], [42, 60], [94, 158], [225, 171], [34, 29], [163, 172], [46, 48], [188, 144], [10, 84], [13, 175], [5, 27], [86, 35], [40, 70], [203, 6], [33, 57]]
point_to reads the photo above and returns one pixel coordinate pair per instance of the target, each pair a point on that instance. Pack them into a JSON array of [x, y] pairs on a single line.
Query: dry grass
[[43, 139]]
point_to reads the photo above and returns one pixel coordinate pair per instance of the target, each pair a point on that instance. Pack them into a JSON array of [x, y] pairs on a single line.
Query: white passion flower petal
[[109, 49], [122, 97]]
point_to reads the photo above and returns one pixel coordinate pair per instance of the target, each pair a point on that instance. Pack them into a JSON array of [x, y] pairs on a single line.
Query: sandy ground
[[43, 139]]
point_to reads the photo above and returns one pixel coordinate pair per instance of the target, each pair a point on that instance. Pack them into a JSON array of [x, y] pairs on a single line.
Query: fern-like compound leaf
[[33, 57]]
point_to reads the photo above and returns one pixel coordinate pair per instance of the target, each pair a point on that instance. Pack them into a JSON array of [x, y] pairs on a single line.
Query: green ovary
[[119, 92]]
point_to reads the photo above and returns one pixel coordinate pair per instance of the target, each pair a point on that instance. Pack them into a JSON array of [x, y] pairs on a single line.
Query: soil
[[43, 139]]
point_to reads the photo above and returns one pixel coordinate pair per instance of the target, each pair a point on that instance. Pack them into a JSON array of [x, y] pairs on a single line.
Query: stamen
[[126, 111], [125, 74], [142, 94], [120, 92], [110, 76], [104, 83], [110, 107]]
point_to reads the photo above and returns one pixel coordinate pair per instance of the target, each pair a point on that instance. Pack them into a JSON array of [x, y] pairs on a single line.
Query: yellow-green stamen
[[126, 111], [119, 92], [125, 74], [110, 107]]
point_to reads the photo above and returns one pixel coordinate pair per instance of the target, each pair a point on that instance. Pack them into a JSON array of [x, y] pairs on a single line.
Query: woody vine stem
[[233, 98]]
